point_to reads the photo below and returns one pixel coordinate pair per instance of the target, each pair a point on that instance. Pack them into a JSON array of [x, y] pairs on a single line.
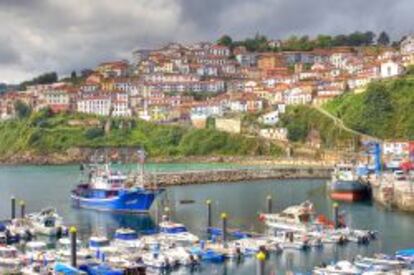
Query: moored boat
[[107, 190], [346, 185]]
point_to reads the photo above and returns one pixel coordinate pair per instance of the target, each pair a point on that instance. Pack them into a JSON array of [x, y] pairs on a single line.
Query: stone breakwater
[[235, 175]]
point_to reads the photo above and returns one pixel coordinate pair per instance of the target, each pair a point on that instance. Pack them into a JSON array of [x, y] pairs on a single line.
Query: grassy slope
[[302, 119], [45, 134], [385, 110]]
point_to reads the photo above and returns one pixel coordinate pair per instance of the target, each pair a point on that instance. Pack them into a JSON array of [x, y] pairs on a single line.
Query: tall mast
[[141, 162]]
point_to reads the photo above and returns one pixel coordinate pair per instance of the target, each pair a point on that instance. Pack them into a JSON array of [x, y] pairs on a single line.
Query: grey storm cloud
[[45, 35]]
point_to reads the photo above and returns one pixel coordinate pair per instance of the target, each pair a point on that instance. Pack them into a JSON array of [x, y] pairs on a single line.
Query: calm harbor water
[[42, 186]]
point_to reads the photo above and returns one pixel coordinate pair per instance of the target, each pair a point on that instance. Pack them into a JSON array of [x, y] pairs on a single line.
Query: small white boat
[[340, 268], [101, 246], [11, 261], [127, 238], [37, 252], [177, 232], [381, 261], [83, 255], [156, 260], [22, 227], [47, 222], [181, 256]]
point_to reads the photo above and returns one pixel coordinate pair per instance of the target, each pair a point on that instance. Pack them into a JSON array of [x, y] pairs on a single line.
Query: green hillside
[[385, 110], [44, 133], [301, 120]]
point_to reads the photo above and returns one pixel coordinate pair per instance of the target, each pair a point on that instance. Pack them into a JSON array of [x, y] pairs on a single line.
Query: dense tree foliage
[[383, 110], [46, 78], [22, 109], [44, 132], [260, 43], [383, 39]]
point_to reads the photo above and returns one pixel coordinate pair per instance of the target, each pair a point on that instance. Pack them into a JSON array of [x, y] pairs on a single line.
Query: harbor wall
[[234, 175], [393, 194]]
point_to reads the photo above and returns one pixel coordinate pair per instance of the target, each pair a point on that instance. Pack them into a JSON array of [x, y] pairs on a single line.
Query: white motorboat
[[37, 252], [181, 256], [127, 238], [340, 268], [63, 252], [47, 222], [177, 232], [156, 260], [11, 261], [381, 261], [22, 227], [297, 218], [101, 246]]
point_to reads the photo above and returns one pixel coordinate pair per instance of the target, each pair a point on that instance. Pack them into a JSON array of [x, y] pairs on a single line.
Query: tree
[[22, 109], [383, 39], [73, 75], [225, 40]]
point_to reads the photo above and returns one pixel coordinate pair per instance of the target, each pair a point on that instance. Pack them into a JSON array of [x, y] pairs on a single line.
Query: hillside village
[[190, 83]]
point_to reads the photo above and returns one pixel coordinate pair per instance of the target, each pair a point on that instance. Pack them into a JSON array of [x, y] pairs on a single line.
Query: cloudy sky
[[62, 35]]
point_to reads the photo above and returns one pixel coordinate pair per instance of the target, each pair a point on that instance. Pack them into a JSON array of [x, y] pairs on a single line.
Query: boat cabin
[[172, 228], [126, 234], [98, 242]]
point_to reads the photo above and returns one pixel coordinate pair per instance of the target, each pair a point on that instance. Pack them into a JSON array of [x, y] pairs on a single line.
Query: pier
[[390, 193], [234, 175]]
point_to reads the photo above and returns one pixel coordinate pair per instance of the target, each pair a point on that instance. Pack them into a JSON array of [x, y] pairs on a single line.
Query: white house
[[396, 148], [98, 104], [270, 118], [390, 68], [297, 96], [274, 133]]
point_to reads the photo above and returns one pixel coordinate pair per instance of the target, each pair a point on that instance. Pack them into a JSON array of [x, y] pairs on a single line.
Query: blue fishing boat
[[108, 190]]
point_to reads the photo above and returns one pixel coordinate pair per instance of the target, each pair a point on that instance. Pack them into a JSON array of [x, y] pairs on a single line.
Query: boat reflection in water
[[90, 222]]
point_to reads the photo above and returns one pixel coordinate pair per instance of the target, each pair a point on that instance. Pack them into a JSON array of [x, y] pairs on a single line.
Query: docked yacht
[[297, 218], [47, 222]]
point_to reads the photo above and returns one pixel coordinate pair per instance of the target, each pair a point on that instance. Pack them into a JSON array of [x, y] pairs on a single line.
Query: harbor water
[[43, 186]]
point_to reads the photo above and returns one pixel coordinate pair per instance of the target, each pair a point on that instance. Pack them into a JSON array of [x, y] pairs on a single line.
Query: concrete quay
[[234, 175], [393, 193]]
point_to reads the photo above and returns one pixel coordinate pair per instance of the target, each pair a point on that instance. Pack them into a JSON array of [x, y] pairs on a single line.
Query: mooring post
[[13, 208], [224, 227], [208, 202], [269, 204], [166, 216], [22, 209], [73, 246], [261, 257], [336, 214]]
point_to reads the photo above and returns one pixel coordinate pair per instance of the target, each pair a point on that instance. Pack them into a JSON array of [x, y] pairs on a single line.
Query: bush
[[93, 133]]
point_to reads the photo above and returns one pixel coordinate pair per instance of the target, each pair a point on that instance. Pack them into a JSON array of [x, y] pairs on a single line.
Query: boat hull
[[349, 191], [126, 202]]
